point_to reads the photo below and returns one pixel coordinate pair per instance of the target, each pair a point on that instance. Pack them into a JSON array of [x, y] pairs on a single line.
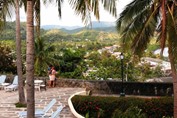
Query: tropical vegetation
[[81, 59], [83, 8], [155, 17], [141, 20], [123, 107]]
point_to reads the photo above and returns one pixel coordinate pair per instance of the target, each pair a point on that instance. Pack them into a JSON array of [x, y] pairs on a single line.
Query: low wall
[[115, 87]]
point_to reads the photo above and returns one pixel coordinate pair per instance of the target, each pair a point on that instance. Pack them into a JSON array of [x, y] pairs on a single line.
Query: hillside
[[105, 29], [95, 24], [9, 31], [98, 26], [95, 35], [62, 34]]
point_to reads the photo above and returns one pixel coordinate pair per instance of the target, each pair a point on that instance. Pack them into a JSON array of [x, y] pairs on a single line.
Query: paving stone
[[8, 99]]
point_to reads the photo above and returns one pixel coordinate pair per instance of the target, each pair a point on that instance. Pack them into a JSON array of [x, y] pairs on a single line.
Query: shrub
[[157, 108], [131, 112], [124, 107]]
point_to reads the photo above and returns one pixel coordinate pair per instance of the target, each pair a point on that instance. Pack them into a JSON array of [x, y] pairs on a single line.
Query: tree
[[19, 57], [6, 57], [5, 7], [30, 60], [43, 57], [140, 20], [81, 7], [70, 63]]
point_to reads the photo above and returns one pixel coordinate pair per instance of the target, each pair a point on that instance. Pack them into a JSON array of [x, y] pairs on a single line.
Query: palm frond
[[110, 6], [172, 33], [85, 7], [48, 1], [82, 8], [95, 8], [59, 3], [173, 14], [148, 28], [43, 56], [131, 10], [139, 29]]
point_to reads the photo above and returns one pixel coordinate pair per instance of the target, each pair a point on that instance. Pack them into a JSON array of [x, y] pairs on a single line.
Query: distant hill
[[100, 26], [57, 34], [96, 33], [9, 31], [49, 27], [105, 29]]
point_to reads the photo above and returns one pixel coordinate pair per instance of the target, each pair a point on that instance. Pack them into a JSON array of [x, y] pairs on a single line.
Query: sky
[[49, 15]]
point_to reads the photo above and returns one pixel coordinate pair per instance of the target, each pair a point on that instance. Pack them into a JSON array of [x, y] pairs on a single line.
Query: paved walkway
[[8, 99]]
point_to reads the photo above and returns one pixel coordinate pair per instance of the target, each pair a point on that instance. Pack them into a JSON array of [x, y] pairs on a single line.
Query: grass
[[20, 105]]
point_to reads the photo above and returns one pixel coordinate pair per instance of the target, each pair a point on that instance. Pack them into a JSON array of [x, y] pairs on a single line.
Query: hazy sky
[[49, 15]]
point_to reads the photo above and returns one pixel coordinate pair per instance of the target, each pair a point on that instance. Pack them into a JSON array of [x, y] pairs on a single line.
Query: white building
[[166, 67]]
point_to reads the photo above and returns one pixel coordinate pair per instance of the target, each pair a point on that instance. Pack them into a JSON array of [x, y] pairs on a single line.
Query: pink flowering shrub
[[104, 107]]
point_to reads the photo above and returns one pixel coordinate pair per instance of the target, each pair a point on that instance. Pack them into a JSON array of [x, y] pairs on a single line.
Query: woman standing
[[52, 77]]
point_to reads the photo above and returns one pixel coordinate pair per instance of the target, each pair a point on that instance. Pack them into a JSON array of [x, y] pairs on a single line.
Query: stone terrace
[[8, 99]]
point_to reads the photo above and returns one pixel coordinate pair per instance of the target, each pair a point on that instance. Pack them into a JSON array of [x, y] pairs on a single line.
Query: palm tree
[[5, 8], [140, 20], [43, 56], [19, 57], [30, 59], [82, 7]]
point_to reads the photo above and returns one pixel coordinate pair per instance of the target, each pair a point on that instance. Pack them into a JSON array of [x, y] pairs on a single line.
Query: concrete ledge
[[71, 105]]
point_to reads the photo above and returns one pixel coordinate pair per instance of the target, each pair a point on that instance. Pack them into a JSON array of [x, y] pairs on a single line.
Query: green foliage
[[103, 66], [56, 34], [153, 47], [131, 112], [43, 57], [83, 56], [157, 108], [117, 114], [123, 107], [6, 56], [20, 105], [144, 72], [59, 35], [9, 31], [87, 115], [71, 63]]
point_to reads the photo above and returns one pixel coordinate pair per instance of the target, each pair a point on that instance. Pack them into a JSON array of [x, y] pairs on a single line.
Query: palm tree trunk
[[19, 57], [174, 75], [30, 60]]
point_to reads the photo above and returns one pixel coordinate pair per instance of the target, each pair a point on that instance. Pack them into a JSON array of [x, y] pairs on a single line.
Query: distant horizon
[[80, 26], [96, 24]]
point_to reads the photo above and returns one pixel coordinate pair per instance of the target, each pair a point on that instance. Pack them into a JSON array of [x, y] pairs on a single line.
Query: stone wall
[[115, 87]]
